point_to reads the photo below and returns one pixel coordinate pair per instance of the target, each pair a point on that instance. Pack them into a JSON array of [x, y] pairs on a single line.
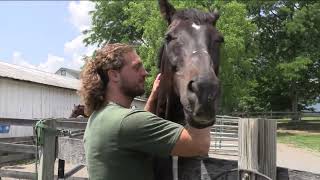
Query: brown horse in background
[[189, 64], [78, 110]]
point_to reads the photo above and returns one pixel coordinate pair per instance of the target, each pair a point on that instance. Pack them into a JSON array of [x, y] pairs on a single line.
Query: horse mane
[[168, 105], [195, 16]]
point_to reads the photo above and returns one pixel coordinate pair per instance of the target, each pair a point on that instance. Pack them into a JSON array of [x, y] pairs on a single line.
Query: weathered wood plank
[[48, 153], [71, 150], [70, 124], [257, 146], [20, 122], [17, 174], [73, 123], [10, 147], [29, 175], [15, 157], [17, 139]]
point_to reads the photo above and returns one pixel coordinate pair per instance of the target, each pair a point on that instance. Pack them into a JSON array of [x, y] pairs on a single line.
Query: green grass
[[306, 141], [311, 118], [302, 119]]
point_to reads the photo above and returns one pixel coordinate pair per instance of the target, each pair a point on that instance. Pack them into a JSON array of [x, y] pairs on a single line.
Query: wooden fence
[[67, 145], [60, 146]]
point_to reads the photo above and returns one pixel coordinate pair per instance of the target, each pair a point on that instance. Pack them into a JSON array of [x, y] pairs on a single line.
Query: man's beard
[[130, 91]]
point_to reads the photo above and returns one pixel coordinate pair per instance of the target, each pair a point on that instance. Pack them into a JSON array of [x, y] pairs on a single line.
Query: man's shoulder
[[114, 109], [138, 114], [119, 112]]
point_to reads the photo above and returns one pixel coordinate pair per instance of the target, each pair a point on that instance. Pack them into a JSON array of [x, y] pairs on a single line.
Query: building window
[[63, 73]]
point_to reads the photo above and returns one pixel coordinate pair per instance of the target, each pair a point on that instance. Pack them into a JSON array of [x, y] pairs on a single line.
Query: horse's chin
[[199, 121]]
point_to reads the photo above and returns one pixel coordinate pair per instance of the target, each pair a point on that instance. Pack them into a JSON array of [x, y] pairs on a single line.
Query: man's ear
[[113, 75]]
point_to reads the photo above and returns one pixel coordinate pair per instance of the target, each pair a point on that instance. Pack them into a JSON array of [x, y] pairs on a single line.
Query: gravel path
[[296, 158]]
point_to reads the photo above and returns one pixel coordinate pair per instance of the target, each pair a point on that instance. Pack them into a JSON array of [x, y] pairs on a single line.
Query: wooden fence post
[[257, 148], [48, 151]]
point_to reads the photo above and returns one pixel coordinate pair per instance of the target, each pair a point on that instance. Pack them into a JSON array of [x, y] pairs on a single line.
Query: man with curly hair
[[120, 142]]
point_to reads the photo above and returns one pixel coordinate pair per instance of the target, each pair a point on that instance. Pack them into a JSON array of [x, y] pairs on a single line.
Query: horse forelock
[[194, 15]]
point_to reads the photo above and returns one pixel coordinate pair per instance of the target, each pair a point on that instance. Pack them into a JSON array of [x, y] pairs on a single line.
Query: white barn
[[71, 73], [29, 93]]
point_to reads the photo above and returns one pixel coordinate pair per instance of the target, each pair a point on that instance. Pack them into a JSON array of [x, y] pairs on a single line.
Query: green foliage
[[295, 70], [237, 53], [107, 24], [145, 17], [288, 43], [270, 58]]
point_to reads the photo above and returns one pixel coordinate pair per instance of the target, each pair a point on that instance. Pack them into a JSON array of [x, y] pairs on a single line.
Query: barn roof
[[37, 76], [73, 72]]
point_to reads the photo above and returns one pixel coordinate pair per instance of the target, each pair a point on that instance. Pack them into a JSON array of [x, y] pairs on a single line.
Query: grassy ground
[[305, 140]]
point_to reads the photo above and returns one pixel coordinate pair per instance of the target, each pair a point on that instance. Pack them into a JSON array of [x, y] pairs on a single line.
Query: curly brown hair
[[94, 78]]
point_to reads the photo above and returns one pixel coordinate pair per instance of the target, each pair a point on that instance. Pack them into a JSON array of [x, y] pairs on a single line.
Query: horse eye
[[174, 68], [169, 38], [220, 39]]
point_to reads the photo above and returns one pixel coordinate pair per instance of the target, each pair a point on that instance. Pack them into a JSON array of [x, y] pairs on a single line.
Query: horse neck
[[175, 110], [169, 107], [74, 115]]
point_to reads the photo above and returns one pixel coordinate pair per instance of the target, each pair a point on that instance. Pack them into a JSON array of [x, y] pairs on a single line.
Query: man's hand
[[150, 105], [155, 86]]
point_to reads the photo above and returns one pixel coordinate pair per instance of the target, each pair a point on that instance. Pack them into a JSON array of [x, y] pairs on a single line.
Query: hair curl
[[94, 78]]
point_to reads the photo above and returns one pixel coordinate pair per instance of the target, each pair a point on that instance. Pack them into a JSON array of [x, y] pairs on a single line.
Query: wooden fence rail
[[71, 150], [10, 147]]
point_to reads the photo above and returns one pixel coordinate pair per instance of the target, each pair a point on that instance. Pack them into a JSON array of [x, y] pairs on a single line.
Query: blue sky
[[44, 34]]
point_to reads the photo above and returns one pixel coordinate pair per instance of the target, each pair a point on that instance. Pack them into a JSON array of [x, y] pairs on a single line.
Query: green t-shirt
[[120, 143]]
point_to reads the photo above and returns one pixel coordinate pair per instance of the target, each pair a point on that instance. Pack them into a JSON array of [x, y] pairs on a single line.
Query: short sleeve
[[145, 132]]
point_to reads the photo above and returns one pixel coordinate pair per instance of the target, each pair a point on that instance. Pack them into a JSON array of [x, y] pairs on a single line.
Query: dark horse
[[189, 64], [78, 110]]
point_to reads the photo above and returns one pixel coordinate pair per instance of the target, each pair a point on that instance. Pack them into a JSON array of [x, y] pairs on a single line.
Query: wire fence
[[224, 136]]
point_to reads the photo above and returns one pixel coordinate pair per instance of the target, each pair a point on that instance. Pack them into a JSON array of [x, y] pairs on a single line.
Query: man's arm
[[192, 142]]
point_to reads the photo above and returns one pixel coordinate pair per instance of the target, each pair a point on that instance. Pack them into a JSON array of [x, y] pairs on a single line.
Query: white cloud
[[51, 64], [74, 45], [17, 59], [79, 11], [75, 48]]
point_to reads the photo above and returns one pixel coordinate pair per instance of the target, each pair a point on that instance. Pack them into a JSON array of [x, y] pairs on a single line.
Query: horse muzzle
[[200, 120]]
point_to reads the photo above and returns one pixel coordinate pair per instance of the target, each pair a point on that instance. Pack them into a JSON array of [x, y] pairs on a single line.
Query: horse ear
[[214, 16], [166, 10]]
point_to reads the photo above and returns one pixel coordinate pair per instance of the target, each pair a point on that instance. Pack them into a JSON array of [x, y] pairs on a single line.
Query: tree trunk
[[294, 100]]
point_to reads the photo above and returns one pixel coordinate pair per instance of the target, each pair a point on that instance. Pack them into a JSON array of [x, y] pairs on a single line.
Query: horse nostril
[[192, 86]]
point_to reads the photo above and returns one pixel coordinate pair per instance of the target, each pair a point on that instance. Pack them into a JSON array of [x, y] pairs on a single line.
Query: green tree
[[146, 29], [107, 24], [287, 68], [237, 55]]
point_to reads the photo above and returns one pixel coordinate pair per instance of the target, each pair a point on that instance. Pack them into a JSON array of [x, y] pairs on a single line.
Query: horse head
[[78, 110], [189, 64]]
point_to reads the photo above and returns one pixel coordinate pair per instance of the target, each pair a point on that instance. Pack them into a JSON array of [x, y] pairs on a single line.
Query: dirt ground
[[287, 156]]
